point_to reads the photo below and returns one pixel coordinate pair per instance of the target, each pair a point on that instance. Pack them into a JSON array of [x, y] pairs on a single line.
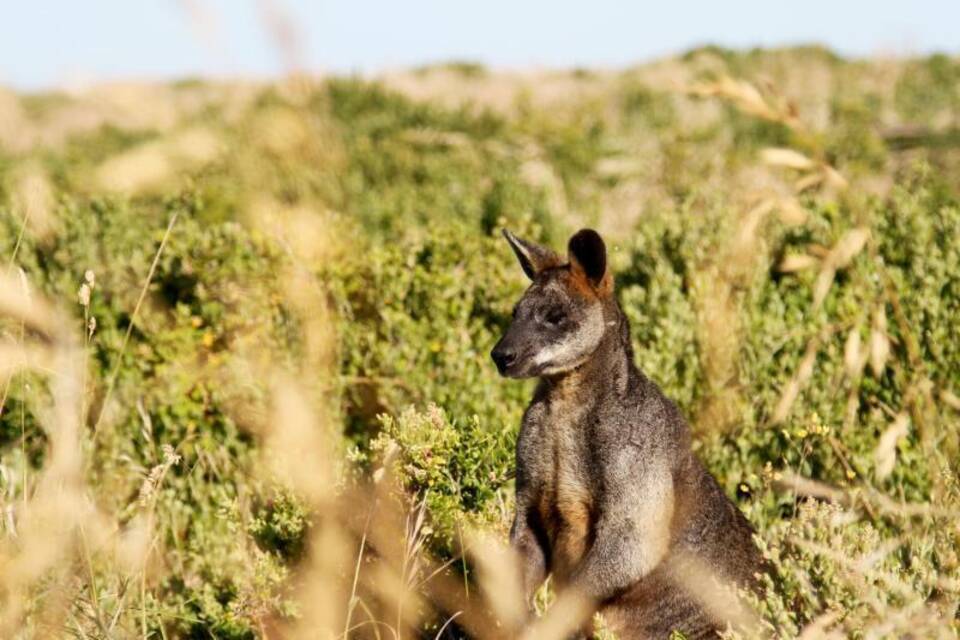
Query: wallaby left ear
[[532, 257], [588, 257]]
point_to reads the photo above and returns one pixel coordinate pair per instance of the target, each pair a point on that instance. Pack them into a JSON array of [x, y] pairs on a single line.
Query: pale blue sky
[[45, 43]]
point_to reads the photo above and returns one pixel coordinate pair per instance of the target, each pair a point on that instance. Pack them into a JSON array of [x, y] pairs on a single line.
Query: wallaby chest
[[557, 463]]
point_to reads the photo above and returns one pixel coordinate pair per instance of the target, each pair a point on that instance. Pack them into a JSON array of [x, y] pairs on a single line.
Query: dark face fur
[[560, 320]]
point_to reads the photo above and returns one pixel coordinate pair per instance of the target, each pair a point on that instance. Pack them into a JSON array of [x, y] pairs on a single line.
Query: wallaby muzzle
[[504, 356]]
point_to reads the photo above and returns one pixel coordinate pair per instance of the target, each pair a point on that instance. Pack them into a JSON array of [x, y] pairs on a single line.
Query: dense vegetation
[[288, 290]]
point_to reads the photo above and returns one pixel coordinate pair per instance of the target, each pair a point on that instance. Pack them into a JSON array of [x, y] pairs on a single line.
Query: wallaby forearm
[[533, 561]]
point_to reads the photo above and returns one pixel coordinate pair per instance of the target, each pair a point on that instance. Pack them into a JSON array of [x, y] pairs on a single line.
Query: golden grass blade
[[869, 498], [879, 343], [718, 597], [834, 179], [788, 158], [499, 576], [853, 357], [150, 165], [824, 281], [296, 445], [797, 262], [792, 390], [806, 487], [568, 614], [851, 244], [885, 455], [33, 196], [808, 181], [791, 212], [14, 358], [950, 399], [17, 303], [818, 629]]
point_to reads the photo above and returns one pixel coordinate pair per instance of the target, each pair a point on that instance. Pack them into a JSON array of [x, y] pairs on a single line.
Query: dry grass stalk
[[879, 342], [787, 158], [499, 577], [33, 196], [717, 596], [869, 498], [40, 540], [718, 332], [799, 380], [853, 357], [153, 164], [151, 483], [750, 100], [18, 305], [950, 399], [846, 248], [885, 454], [793, 263], [819, 628]]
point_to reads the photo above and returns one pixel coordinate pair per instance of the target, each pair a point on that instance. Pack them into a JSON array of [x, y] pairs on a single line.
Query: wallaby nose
[[503, 358]]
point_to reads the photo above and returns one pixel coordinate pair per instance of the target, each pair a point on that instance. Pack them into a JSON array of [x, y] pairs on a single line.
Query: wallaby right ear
[[533, 258], [588, 258]]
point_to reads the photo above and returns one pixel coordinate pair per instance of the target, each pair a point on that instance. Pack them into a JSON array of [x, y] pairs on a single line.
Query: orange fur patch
[[568, 519], [580, 284]]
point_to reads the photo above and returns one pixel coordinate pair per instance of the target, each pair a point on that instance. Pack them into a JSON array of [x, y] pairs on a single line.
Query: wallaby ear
[[588, 257], [533, 258]]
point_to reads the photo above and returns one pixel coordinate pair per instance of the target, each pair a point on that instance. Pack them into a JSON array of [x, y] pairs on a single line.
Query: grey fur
[[610, 497]]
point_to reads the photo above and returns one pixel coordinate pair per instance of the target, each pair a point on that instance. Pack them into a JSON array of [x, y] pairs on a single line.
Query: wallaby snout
[[504, 357]]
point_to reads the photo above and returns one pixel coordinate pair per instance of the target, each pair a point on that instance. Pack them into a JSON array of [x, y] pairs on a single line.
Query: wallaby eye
[[554, 316]]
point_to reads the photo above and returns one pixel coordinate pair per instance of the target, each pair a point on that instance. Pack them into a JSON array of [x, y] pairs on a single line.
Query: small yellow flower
[[851, 474], [196, 322], [208, 339], [801, 433]]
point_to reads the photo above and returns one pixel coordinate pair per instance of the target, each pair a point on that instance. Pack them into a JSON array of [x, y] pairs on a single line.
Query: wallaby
[[611, 501]]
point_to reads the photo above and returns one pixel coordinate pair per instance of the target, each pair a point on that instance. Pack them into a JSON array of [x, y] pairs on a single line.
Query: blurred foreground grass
[[244, 378]]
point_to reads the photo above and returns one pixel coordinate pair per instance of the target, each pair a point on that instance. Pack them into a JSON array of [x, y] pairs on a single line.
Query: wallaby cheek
[[575, 346], [587, 338]]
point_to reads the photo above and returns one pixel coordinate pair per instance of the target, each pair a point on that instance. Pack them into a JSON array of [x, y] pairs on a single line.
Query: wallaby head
[[562, 317]]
